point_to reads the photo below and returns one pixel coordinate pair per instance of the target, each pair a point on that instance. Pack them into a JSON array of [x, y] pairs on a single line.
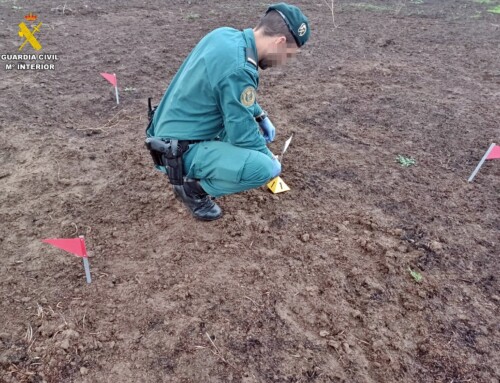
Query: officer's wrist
[[261, 117]]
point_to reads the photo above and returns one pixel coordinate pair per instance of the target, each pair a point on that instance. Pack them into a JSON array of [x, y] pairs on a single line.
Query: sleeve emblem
[[248, 96]]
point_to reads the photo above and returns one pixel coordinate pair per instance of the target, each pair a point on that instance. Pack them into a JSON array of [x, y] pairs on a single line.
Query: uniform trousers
[[223, 168]]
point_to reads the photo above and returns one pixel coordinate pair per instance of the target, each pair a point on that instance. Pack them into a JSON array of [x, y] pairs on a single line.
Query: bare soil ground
[[312, 285]]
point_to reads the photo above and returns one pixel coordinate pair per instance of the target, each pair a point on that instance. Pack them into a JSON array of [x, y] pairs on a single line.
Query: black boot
[[197, 201]]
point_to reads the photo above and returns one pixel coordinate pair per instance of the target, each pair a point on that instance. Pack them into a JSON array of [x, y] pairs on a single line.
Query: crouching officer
[[209, 133]]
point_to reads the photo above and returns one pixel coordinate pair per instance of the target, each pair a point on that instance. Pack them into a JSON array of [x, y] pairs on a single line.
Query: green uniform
[[212, 98]]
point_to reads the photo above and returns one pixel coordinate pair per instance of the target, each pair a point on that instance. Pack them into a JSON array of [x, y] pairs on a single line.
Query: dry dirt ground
[[312, 285]]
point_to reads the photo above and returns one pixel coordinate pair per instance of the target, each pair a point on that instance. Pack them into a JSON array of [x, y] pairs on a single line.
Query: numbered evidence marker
[[277, 185]]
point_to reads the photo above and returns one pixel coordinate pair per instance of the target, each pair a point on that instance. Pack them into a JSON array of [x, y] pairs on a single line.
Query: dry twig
[[39, 311], [29, 334], [251, 300], [218, 353], [114, 121], [331, 7], [76, 228]]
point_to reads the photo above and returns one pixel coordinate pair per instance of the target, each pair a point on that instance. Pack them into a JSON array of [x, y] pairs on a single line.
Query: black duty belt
[[182, 142]]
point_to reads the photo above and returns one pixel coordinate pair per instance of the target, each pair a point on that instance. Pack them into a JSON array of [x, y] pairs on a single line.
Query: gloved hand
[[268, 129], [276, 167]]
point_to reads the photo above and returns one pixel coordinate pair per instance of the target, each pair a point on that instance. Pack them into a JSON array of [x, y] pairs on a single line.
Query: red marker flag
[[110, 77], [75, 246], [494, 154]]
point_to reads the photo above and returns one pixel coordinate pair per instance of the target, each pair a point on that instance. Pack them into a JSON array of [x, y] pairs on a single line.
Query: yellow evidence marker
[[277, 185]]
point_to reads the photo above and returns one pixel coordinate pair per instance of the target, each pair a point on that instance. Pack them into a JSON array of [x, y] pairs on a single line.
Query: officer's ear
[[280, 40]]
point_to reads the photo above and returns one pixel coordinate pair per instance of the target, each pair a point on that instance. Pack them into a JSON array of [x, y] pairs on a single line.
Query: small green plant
[[484, 1], [193, 16], [495, 9], [415, 275], [405, 161]]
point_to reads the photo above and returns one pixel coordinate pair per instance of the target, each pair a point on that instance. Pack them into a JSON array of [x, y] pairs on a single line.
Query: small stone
[[84, 371], [4, 336], [398, 232], [402, 248], [357, 314], [436, 246], [70, 334], [378, 344], [324, 333], [334, 344], [305, 237], [64, 344]]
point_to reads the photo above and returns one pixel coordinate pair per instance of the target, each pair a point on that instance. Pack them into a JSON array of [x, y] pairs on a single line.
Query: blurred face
[[279, 52]]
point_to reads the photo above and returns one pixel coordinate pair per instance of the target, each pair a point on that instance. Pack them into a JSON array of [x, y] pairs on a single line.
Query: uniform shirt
[[214, 93]]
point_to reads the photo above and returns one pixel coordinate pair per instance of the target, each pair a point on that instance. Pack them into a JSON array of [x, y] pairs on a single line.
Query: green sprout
[[405, 161], [193, 16], [416, 275], [495, 9]]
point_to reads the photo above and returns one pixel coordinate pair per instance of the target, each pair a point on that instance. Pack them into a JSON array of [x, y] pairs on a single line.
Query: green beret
[[295, 20]]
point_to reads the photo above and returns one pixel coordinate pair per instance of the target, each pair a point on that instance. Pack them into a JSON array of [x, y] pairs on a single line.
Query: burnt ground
[[312, 285]]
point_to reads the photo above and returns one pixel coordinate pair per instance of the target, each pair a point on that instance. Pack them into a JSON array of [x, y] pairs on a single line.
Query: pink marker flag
[[492, 153], [112, 79], [75, 246]]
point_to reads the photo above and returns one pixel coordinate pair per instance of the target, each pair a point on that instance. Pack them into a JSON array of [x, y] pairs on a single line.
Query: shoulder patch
[[248, 96]]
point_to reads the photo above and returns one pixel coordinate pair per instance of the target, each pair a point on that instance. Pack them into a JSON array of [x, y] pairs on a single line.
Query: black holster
[[168, 153], [165, 152]]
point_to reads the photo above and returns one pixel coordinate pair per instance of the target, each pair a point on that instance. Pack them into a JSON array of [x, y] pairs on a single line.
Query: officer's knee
[[268, 170], [259, 169]]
